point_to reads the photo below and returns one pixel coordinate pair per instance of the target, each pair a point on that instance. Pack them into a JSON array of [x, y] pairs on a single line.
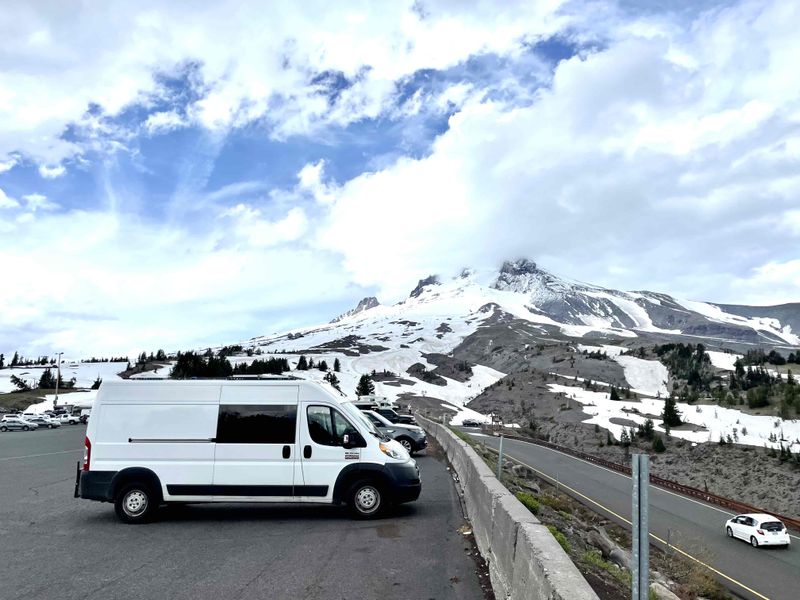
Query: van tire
[[3, 428], [135, 503], [366, 499]]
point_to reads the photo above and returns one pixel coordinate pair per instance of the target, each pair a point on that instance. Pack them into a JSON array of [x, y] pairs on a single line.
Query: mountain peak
[[523, 275], [423, 283], [364, 304]]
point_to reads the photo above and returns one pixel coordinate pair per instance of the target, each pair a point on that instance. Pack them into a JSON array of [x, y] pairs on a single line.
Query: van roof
[[271, 380]]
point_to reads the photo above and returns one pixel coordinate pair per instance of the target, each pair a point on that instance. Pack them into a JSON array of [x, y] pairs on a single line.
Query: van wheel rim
[[134, 503], [407, 445], [367, 499]]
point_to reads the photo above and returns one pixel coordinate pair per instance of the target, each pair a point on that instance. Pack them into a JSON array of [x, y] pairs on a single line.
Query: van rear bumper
[[96, 485], [406, 485]]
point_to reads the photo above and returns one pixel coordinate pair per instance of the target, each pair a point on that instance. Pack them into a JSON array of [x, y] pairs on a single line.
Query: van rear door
[[257, 444]]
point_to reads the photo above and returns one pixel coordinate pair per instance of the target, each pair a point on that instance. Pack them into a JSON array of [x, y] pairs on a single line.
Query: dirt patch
[[421, 372], [447, 366]]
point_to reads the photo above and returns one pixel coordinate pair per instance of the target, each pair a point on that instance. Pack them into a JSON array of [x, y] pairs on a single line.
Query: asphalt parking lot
[[54, 546]]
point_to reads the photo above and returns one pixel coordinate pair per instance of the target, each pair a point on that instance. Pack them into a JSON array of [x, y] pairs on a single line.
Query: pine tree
[[337, 366], [614, 393], [365, 386], [624, 438], [311, 363], [47, 381], [161, 355], [323, 365], [19, 383], [333, 380], [671, 416], [97, 382], [302, 364], [2, 361], [658, 444], [15, 360]]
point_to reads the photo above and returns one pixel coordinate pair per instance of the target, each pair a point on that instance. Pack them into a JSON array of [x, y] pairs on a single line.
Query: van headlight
[[390, 452]]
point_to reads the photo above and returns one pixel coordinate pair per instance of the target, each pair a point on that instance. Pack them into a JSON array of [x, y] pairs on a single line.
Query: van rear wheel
[[365, 500], [135, 503]]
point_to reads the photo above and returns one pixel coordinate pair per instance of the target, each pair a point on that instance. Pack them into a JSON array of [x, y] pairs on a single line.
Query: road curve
[[695, 528]]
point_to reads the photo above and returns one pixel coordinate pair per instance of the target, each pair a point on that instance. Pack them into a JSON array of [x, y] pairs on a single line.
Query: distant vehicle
[[412, 438], [44, 422], [11, 416], [17, 424], [393, 416], [278, 440], [85, 414], [759, 530], [66, 419], [471, 423]]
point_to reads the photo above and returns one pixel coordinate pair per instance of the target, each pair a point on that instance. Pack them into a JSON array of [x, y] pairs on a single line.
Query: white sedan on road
[[758, 530]]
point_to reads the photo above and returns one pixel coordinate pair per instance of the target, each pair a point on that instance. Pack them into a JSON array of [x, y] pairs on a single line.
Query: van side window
[[256, 424], [327, 426]]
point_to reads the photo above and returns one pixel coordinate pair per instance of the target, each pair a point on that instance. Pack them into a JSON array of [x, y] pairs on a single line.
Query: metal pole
[[641, 540], [58, 377], [500, 458]]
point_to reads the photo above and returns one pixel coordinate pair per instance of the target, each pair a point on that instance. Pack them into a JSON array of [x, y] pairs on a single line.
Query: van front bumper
[[406, 485]]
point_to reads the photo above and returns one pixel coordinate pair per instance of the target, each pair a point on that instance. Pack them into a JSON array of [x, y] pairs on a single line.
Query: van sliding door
[[256, 447]]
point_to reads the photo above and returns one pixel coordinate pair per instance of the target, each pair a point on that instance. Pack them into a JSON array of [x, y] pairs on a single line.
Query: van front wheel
[[135, 503], [365, 500]]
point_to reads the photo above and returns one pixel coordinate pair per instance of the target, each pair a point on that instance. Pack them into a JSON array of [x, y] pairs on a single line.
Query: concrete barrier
[[524, 559]]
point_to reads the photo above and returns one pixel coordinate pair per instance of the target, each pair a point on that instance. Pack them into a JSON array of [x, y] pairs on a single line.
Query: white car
[[68, 419], [758, 530]]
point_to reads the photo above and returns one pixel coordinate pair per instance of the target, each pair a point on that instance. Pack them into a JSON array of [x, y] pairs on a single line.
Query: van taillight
[[87, 453]]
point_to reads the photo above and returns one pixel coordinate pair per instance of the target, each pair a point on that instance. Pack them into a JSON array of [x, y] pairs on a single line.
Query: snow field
[[716, 420]]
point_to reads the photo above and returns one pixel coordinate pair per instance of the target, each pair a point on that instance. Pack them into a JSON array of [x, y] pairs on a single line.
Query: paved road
[[53, 546], [695, 527]]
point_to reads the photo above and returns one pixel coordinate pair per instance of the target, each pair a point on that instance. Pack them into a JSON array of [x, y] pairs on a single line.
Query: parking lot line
[[44, 454]]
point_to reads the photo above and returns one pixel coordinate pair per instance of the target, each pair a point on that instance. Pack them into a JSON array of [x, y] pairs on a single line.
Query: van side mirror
[[346, 442], [353, 440]]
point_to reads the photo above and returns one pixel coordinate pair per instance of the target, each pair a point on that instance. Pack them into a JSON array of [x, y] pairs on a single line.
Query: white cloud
[[49, 172], [773, 283], [36, 202], [6, 201], [164, 121], [253, 61], [638, 167], [258, 232], [7, 165]]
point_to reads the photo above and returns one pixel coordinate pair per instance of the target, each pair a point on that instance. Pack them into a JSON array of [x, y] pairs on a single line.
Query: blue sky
[[183, 179]]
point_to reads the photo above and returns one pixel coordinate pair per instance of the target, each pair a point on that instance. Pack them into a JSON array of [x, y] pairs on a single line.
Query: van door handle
[[287, 451], [306, 451]]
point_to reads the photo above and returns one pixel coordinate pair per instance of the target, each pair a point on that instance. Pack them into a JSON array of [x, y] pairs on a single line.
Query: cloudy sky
[[203, 172]]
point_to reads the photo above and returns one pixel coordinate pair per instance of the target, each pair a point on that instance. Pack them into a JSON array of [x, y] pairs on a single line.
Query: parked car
[[44, 422], [412, 437], [471, 423], [66, 419], [17, 424], [277, 440], [395, 417], [759, 530], [11, 416]]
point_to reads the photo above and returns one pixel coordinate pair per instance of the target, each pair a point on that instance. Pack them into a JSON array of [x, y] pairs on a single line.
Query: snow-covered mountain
[[450, 339]]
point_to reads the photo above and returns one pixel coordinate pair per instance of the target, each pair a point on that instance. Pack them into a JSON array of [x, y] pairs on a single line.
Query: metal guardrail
[[686, 490]]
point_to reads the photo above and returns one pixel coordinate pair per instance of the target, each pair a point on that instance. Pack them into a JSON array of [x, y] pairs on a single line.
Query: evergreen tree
[[624, 438], [97, 382], [323, 365], [658, 444], [337, 366], [671, 416], [302, 364], [19, 383], [646, 430], [161, 355], [47, 381], [365, 386], [311, 363], [15, 360], [2, 361], [333, 380], [614, 393]]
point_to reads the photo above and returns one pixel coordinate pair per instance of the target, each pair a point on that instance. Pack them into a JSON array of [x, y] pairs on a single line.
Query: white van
[[277, 440]]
